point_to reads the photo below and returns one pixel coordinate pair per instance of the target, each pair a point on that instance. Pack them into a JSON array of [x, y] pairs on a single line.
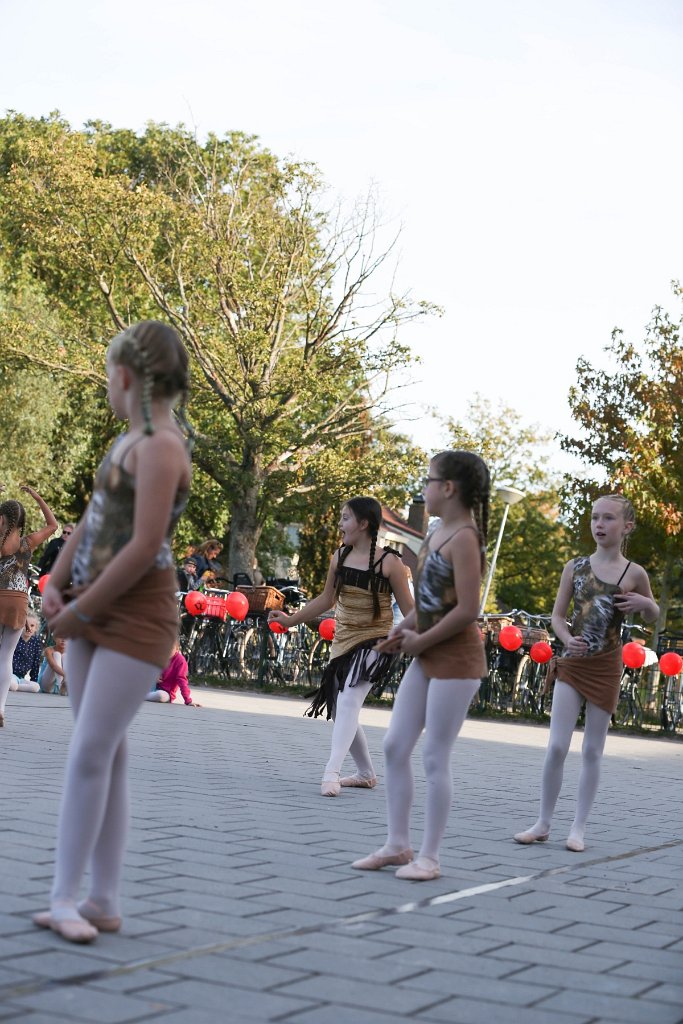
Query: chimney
[[417, 515]]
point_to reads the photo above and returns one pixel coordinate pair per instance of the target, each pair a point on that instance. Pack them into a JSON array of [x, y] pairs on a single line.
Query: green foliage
[[535, 543], [235, 248], [631, 420]]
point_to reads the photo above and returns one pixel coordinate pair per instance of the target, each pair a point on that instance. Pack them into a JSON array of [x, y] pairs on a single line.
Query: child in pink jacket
[[172, 679]]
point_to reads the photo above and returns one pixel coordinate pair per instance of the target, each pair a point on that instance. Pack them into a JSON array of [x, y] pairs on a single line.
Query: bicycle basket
[[669, 642], [216, 608], [263, 599], [533, 635], [493, 624]]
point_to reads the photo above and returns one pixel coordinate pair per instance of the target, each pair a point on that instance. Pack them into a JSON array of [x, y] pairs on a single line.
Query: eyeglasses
[[431, 479], [66, 533]]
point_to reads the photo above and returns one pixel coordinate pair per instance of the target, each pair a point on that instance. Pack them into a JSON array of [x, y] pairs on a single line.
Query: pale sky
[[531, 149]]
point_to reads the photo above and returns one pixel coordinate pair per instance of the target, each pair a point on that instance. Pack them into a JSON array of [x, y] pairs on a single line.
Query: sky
[[530, 152]]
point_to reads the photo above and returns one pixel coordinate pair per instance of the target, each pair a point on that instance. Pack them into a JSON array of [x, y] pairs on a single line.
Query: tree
[[631, 420], [536, 541], [268, 288]]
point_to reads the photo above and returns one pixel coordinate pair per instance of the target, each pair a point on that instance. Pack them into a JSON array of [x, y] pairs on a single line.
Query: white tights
[[8, 642], [159, 696], [347, 735], [105, 691], [566, 707], [438, 706]]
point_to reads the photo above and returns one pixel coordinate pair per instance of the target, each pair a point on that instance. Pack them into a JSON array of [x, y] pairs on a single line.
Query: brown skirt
[[596, 677], [13, 608], [142, 622], [459, 657]]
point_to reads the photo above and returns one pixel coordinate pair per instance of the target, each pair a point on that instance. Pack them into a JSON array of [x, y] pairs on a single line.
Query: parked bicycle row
[[221, 648]]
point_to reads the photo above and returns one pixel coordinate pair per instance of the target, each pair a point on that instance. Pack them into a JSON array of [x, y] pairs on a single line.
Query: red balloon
[[670, 663], [510, 637], [42, 582], [195, 602], [541, 652], [277, 627], [327, 628], [237, 605], [633, 655]]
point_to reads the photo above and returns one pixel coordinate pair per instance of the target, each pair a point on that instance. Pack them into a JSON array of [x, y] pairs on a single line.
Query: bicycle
[[630, 709], [671, 709]]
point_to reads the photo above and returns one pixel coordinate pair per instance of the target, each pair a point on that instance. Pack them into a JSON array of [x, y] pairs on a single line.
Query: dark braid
[[343, 553], [373, 575], [14, 514]]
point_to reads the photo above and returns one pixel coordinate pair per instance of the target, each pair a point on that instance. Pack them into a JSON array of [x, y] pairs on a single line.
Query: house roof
[[397, 524]]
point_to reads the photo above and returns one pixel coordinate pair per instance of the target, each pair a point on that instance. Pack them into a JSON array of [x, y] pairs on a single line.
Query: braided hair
[[628, 512], [14, 515], [471, 474], [370, 510], [155, 353]]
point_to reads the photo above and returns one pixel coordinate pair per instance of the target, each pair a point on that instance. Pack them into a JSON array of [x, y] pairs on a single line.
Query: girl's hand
[[412, 642], [391, 644], [577, 647], [193, 704], [53, 602], [65, 623], [29, 490], [281, 617], [631, 602]]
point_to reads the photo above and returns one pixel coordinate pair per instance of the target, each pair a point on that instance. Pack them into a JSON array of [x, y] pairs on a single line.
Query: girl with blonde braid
[[15, 557], [123, 621], [361, 580], [448, 660]]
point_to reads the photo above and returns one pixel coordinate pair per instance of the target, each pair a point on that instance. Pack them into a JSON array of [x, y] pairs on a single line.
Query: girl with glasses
[[443, 637]]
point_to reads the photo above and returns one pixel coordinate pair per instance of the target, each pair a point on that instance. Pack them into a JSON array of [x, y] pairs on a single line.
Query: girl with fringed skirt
[[360, 583]]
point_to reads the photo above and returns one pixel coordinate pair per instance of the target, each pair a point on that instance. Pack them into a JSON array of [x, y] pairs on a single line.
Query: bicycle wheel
[[317, 660], [524, 696], [291, 658]]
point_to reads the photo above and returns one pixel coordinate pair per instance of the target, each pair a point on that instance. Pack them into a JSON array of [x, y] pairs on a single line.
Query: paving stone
[[234, 887], [626, 1011]]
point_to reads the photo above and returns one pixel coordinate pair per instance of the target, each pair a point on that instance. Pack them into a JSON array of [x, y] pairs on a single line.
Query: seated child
[[51, 677], [172, 679], [27, 657]]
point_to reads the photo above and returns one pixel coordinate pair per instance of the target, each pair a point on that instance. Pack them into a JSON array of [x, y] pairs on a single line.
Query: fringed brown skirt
[[596, 677]]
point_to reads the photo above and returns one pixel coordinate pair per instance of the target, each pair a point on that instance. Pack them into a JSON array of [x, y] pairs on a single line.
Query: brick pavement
[[240, 905]]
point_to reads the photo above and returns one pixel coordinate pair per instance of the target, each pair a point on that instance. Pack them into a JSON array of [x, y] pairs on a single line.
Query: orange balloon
[[237, 605], [541, 652], [671, 663], [327, 628], [195, 602], [633, 655], [277, 627], [42, 582], [510, 638]]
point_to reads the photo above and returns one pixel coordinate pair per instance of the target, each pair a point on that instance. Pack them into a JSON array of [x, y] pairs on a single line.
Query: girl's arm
[[398, 579], [464, 554], [575, 645], [161, 466], [37, 538], [322, 603], [640, 599]]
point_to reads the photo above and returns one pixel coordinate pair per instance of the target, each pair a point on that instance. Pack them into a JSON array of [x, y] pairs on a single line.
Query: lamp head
[[510, 495]]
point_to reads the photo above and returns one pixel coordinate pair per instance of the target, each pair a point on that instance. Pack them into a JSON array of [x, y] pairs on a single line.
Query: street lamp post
[[510, 495]]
